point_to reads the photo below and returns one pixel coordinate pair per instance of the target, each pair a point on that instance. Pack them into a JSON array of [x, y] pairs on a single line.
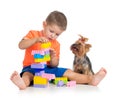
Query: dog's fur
[[82, 63]]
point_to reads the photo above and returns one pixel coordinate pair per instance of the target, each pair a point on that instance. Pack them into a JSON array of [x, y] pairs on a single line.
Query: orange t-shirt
[[28, 58]]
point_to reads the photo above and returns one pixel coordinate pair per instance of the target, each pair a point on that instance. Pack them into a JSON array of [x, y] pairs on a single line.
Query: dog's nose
[[81, 72], [73, 45]]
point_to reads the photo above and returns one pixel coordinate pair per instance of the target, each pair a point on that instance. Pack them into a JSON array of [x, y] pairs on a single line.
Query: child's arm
[[26, 43]]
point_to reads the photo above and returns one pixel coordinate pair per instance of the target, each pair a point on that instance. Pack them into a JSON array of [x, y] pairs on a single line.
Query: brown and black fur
[[82, 63]]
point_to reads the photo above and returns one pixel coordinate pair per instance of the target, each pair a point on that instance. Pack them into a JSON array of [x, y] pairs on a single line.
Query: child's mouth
[[49, 38]]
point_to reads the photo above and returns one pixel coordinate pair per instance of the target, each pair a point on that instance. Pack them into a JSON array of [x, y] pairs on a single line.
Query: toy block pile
[[42, 79], [41, 57]]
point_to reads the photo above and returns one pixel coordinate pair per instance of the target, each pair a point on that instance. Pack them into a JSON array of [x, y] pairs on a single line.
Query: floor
[[102, 90], [53, 91]]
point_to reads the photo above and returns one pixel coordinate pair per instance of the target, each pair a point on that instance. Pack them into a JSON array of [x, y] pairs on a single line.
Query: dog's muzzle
[[74, 47]]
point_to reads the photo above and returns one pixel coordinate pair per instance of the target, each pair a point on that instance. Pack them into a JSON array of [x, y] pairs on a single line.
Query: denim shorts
[[57, 71]]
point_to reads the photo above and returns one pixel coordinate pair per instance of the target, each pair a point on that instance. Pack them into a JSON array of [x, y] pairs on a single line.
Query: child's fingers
[[52, 52], [42, 39]]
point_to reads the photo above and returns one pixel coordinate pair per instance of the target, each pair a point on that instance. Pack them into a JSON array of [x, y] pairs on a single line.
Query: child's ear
[[87, 47], [44, 24]]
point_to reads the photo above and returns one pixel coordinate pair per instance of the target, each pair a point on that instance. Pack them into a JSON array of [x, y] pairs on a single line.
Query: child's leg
[[98, 77], [81, 78], [23, 82]]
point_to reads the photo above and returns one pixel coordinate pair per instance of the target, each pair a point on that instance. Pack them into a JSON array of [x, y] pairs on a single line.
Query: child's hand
[[42, 39], [54, 61], [52, 53]]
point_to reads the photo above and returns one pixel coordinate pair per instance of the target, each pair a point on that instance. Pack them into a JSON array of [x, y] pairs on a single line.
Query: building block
[[37, 52], [40, 80], [39, 65], [38, 56], [45, 45], [39, 60], [48, 76], [46, 58], [46, 51], [71, 83], [57, 79], [60, 83], [40, 86]]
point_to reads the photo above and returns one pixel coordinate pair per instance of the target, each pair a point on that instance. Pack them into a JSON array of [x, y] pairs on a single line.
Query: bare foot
[[98, 77], [17, 80]]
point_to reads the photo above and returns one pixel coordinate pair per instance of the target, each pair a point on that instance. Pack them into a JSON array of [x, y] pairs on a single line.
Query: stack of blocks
[[41, 79], [41, 57]]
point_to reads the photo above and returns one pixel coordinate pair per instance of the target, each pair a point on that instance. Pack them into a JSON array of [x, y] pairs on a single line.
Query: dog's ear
[[87, 47]]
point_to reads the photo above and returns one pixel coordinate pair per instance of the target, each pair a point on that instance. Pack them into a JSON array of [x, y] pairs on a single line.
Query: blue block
[[36, 56]]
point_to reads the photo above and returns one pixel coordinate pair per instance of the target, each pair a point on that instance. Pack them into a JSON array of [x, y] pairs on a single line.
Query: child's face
[[52, 31]]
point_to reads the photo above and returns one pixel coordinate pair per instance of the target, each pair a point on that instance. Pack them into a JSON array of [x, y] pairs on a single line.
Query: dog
[[81, 63]]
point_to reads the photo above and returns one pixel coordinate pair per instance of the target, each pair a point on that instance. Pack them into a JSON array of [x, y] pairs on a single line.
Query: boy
[[53, 26]]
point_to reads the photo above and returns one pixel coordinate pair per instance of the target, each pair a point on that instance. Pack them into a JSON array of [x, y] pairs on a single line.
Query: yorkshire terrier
[[82, 63]]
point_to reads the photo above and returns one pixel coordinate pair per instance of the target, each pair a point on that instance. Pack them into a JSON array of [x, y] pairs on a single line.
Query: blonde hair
[[57, 18]]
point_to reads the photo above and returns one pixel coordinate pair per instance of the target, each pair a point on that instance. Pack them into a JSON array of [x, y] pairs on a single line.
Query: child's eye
[[51, 31], [57, 34]]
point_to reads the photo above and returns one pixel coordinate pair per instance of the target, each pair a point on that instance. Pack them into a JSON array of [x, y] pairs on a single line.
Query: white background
[[99, 20]]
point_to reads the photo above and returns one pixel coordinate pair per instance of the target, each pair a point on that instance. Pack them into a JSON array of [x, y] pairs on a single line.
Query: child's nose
[[53, 35]]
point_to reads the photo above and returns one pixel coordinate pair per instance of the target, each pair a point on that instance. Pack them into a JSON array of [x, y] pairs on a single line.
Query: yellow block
[[45, 45], [57, 79], [39, 60], [40, 80]]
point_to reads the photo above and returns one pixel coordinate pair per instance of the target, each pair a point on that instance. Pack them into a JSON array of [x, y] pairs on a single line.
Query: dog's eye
[[80, 44], [78, 60]]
